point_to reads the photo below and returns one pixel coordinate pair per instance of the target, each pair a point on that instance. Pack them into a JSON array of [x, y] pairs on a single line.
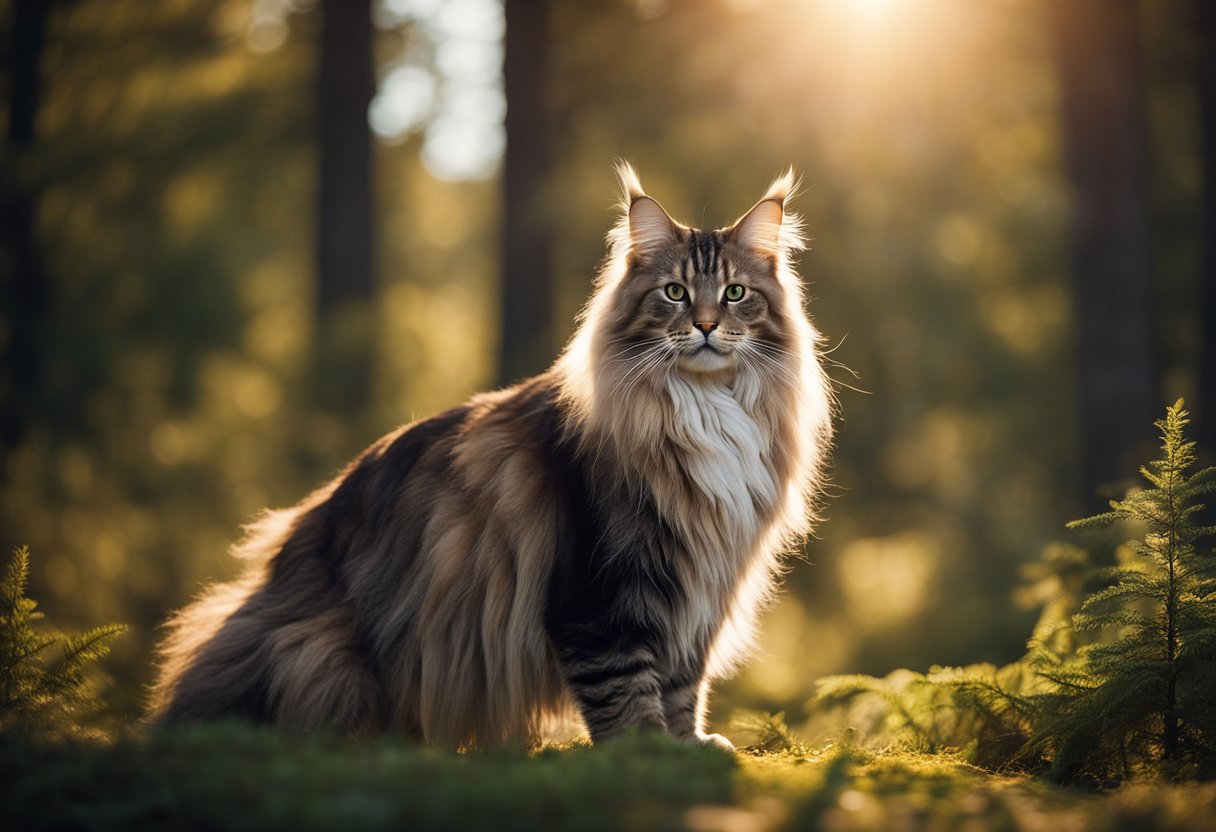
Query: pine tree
[[36, 696], [1143, 695]]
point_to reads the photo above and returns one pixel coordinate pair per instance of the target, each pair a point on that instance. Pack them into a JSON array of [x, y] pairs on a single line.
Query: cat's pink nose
[[706, 326]]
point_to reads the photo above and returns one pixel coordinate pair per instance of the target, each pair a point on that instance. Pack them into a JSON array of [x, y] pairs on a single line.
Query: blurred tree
[[528, 289], [346, 259], [26, 292], [1206, 412], [1106, 151], [175, 169]]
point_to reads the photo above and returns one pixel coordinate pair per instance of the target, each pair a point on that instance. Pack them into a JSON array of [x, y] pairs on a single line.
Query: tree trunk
[[345, 251], [1106, 156], [1206, 410], [24, 282], [527, 277]]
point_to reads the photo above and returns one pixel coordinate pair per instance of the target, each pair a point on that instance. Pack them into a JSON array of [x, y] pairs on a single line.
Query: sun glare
[[871, 8]]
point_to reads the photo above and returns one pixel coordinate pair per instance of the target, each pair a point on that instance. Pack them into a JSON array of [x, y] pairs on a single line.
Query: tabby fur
[[591, 545]]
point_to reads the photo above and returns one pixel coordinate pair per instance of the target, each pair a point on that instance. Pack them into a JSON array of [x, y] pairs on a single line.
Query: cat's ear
[[649, 226], [768, 228], [760, 228], [650, 229]]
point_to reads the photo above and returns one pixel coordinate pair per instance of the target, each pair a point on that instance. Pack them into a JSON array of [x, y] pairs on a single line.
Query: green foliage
[[1138, 696], [1056, 583], [49, 698], [980, 711], [1116, 680], [763, 733]]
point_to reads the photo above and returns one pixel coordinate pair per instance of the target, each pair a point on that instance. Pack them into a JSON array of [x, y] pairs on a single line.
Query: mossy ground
[[235, 777]]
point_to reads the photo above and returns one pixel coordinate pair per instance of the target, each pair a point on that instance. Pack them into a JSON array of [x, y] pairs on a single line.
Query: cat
[[592, 544]]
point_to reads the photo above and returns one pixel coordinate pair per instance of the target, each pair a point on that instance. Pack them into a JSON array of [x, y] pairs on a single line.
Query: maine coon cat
[[592, 543]]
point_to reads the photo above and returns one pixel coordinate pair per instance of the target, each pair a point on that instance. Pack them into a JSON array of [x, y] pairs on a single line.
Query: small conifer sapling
[[52, 698], [1123, 701]]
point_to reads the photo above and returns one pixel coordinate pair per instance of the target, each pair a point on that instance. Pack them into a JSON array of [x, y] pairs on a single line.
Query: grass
[[234, 777]]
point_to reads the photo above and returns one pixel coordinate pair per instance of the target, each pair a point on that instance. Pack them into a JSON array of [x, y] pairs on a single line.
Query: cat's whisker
[[653, 353], [773, 349], [642, 367], [767, 362], [769, 347], [844, 367], [839, 344], [640, 346], [656, 361], [769, 350], [848, 386], [639, 351]]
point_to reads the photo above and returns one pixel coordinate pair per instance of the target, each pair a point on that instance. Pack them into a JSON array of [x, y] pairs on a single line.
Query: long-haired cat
[[594, 542]]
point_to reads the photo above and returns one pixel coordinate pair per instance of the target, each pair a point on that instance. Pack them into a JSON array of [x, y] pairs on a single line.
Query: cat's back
[[476, 462], [446, 533], [451, 499]]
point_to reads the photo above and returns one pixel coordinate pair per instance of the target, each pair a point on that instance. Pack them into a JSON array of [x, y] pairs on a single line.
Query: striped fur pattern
[[591, 545]]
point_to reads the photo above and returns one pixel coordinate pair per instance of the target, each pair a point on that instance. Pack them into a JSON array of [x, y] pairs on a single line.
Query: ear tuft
[[631, 186], [783, 187], [645, 226]]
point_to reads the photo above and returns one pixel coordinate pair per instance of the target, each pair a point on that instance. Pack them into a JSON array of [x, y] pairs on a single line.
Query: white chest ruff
[[724, 511], [725, 456]]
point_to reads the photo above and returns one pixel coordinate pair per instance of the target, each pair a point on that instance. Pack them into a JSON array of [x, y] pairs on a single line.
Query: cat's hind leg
[[615, 690], [318, 679]]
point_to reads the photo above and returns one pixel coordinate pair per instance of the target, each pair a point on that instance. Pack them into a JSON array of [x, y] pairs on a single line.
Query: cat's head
[[700, 302], [681, 316]]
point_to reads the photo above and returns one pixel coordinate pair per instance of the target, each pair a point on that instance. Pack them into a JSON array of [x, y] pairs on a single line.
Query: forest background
[[242, 239]]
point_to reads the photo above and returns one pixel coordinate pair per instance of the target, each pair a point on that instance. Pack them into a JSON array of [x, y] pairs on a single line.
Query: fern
[[766, 733], [52, 697], [980, 710]]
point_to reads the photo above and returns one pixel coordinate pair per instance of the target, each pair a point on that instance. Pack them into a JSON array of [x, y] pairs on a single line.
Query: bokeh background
[[243, 238]]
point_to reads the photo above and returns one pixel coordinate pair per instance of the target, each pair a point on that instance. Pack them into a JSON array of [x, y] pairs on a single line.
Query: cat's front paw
[[717, 741]]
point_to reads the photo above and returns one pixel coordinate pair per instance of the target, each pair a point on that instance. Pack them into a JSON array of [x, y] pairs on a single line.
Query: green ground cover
[[237, 777]]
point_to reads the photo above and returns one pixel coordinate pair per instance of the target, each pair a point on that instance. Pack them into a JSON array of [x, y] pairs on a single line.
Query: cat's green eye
[[734, 292], [674, 291]]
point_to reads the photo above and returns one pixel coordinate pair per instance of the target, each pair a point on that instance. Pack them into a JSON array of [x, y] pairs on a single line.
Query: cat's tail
[[206, 662], [205, 670], [277, 645]]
